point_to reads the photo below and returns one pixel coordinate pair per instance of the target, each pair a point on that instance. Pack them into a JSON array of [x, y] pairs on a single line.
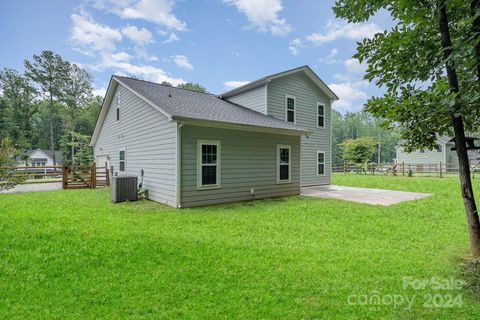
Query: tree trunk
[[460, 144], [52, 131], [72, 148], [475, 9]]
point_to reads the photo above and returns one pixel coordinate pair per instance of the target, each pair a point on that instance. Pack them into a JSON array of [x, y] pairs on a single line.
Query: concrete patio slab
[[362, 195], [34, 187]]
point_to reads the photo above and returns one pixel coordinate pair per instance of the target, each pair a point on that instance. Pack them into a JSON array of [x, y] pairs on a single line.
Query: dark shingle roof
[[182, 103]]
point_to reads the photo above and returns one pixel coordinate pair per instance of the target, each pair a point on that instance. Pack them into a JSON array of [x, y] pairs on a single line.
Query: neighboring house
[[265, 139], [41, 158], [442, 153]]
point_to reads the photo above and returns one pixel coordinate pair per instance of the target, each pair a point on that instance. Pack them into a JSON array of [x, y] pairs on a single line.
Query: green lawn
[[71, 254]]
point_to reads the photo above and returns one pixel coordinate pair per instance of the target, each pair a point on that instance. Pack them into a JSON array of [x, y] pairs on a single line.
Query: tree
[[360, 150], [428, 69], [76, 93], [166, 83], [77, 149], [192, 86], [8, 175], [18, 107], [362, 124], [50, 72], [41, 124], [88, 116]]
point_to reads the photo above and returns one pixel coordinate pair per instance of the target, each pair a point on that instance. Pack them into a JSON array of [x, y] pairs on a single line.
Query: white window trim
[[124, 161], [324, 163], [294, 108], [199, 164], [321, 105], [289, 147]]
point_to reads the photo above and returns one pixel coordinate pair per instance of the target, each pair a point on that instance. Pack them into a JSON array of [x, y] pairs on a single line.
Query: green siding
[[307, 95], [248, 160]]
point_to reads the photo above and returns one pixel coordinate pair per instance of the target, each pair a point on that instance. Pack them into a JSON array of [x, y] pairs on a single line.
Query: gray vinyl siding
[[417, 157], [253, 99], [248, 160], [307, 95], [452, 158], [150, 142]]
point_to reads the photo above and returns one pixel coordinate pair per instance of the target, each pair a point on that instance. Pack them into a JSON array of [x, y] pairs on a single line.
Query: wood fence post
[[403, 168], [93, 176], [440, 169], [107, 174], [64, 176]]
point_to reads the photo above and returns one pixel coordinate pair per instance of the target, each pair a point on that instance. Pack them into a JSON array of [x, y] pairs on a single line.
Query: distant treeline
[[354, 125]]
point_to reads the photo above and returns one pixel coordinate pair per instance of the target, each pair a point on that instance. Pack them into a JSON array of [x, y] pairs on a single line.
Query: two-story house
[[265, 139]]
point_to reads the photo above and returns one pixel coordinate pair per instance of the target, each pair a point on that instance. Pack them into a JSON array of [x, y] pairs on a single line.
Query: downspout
[[178, 166]]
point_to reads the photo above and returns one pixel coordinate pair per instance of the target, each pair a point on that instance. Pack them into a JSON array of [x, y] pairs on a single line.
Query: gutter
[[239, 126]]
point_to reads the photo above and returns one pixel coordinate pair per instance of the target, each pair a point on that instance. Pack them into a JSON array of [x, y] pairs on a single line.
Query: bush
[[8, 176]]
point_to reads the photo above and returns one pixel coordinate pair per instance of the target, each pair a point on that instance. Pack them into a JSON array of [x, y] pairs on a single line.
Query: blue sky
[[217, 43]]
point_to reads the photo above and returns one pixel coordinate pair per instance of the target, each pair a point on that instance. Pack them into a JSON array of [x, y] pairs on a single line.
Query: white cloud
[[294, 46], [349, 93], [339, 29], [156, 11], [354, 65], [234, 84], [182, 62], [100, 41], [100, 91], [91, 35], [172, 38], [141, 52], [144, 72], [263, 15], [141, 37], [331, 58]]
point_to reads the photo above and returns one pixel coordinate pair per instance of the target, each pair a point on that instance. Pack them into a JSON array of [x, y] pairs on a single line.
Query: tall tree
[[420, 49], [193, 86], [50, 72], [19, 107], [76, 93]]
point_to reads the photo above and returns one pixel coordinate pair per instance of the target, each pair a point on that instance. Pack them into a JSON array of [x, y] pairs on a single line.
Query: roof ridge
[[167, 86]]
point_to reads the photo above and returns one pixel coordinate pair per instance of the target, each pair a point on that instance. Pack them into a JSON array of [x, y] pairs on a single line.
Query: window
[[320, 163], [290, 108], [422, 150], [208, 159], [320, 115], [438, 147], [118, 107], [121, 160], [283, 163]]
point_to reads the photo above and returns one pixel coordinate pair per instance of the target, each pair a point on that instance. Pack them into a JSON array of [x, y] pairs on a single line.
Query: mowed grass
[[73, 255]]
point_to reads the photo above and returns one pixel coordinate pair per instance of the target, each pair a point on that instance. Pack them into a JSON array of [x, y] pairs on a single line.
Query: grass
[[72, 254]]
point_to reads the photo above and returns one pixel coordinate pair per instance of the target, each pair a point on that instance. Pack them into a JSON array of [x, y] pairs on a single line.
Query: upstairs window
[[121, 160], [283, 163], [438, 147], [290, 108], [208, 158], [320, 163], [320, 115]]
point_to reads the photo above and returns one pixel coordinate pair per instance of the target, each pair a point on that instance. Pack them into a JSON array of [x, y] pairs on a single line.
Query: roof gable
[[262, 81]]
